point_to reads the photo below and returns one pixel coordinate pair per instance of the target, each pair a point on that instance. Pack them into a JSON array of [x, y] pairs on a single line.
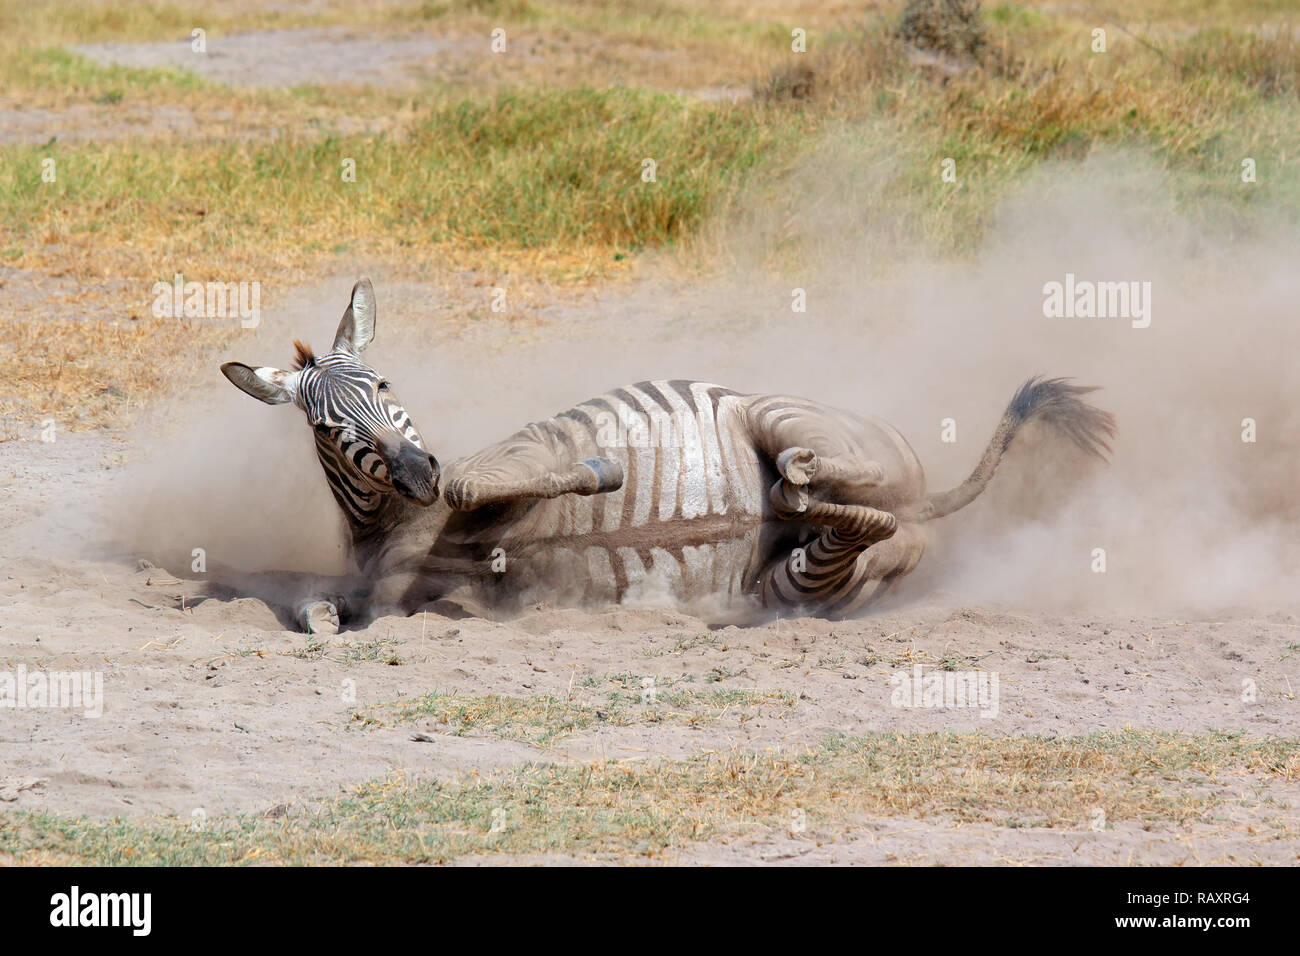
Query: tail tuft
[[1057, 403], [1053, 401]]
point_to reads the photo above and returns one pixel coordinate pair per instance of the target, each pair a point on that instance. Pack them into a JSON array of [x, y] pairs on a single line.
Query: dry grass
[[85, 373], [464, 187], [615, 809], [615, 701], [466, 176], [1034, 93], [529, 166], [1268, 60], [564, 43]]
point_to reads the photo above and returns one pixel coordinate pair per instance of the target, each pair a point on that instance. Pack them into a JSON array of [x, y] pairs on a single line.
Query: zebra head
[[367, 444]]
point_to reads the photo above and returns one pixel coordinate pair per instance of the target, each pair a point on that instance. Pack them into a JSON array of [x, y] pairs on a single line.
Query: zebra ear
[[271, 385], [358, 325]]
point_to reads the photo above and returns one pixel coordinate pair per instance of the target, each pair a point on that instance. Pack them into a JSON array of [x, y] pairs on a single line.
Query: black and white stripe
[[348, 406], [692, 518], [688, 520]]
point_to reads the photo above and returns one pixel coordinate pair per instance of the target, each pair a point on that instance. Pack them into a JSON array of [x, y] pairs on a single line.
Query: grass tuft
[[613, 809]]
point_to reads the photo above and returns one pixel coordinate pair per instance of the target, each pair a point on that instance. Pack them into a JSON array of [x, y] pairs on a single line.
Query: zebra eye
[[383, 386]]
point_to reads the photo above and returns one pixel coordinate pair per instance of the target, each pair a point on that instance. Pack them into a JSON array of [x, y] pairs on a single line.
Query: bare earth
[[286, 58], [341, 56]]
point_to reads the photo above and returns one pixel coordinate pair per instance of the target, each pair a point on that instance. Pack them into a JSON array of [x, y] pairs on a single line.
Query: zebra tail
[[1052, 401]]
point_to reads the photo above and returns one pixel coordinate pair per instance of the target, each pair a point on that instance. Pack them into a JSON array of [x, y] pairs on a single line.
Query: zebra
[[677, 489]]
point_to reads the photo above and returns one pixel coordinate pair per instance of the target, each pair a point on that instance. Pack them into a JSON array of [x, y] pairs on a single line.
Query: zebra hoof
[[319, 617], [789, 501], [797, 465], [609, 474]]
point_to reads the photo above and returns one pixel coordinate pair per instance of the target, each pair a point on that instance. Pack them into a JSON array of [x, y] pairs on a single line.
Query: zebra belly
[[688, 522]]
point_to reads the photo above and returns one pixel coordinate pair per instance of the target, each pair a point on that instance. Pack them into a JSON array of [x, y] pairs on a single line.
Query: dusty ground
[[211, 705]]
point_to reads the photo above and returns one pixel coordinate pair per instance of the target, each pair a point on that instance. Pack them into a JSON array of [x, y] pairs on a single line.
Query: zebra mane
[[303, 356]]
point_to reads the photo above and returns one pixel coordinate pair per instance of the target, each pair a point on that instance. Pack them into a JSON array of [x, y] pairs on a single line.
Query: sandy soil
[[207, 706], [82, 122], [344, 57]]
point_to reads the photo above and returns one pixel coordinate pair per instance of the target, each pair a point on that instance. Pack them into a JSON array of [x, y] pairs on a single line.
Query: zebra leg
[[846, 473], [816, 446], [591, 476], [855, 522], [839, 573]]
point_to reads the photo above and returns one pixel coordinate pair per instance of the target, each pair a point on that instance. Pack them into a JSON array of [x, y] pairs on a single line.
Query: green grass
[[1191, 105], [59, 71], [613, 809], [538, 171], [552, 173], [528, 170], [544, 178]]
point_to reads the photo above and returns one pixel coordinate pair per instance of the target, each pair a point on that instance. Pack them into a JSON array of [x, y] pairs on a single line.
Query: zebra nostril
[[414, 474]]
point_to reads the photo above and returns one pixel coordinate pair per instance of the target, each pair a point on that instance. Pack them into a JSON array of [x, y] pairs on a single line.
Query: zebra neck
[[369, 513]]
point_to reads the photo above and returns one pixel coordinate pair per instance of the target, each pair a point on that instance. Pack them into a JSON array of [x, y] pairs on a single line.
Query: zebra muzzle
[[413, 472]]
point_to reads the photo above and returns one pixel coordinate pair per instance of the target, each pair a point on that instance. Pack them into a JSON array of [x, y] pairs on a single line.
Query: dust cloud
[[1191, 518]]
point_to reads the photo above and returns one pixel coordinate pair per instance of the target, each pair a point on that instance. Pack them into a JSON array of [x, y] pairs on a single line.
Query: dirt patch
[[348, 57], [931, 843], [288, 58], [82, 123]]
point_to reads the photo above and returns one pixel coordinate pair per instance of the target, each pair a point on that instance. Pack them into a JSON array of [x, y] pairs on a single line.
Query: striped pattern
[[349, 406], [829, 574], [685, 523], [673, 489], [667, 489], [692, 521]]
